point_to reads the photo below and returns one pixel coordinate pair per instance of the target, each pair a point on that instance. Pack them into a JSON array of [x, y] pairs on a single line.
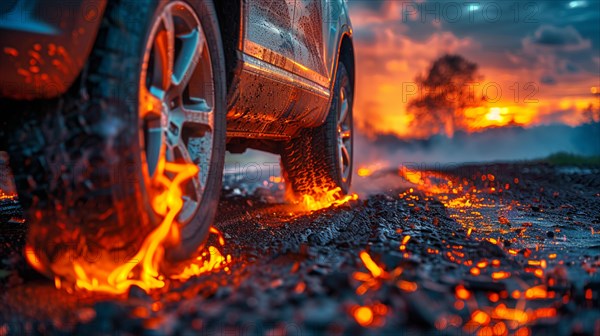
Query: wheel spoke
[[344, 130], [343, 112], [173, 135], [345, 154], [188, 59], [341, 156], [164, 53], [150, 102], [185, 155], [153, 145], [170, 30], [198, 113]]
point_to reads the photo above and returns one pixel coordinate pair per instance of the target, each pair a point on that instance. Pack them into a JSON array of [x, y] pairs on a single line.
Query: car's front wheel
[[153, 89], [320, 159]]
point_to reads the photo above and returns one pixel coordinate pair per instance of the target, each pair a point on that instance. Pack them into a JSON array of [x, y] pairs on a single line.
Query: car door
[[283, 57], [293, 35], [268, 31], [308, 39]]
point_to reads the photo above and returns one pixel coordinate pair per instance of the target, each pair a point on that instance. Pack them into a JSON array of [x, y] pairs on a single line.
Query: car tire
[[321, 158], [80, 161]]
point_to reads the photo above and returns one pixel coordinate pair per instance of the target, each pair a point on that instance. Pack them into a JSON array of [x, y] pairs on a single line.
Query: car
[[96, 94]]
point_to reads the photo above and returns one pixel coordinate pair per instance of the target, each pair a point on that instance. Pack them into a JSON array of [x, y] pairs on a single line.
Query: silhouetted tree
[[444, 94], [591, 114]]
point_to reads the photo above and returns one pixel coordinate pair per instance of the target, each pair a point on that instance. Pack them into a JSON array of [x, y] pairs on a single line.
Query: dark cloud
[[566, 38], [569, 67], [548, 80], [365, 36]]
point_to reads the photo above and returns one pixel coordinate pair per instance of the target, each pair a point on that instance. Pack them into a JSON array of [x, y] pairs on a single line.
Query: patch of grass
[[568, 159]]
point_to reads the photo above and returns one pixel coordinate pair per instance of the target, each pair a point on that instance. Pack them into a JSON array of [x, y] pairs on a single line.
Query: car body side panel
[[45, 44], [300, 62]]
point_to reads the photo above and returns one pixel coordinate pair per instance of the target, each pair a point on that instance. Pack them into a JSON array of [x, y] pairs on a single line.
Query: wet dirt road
[[496, 249]]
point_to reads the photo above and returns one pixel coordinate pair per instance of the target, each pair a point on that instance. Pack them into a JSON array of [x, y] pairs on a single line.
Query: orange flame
[[143, 269], [324, 197], [33, 259]]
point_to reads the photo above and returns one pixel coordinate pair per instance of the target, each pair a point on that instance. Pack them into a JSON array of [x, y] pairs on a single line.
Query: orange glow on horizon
[[388, 63]]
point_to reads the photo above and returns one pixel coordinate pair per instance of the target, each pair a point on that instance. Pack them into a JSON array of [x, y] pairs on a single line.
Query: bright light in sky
[[474, 7], [575, 4], [496, 113]]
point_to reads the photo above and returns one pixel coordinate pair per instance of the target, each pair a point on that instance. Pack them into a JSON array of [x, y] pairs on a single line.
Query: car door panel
[[308, 33], [284, 83], [268, 28]]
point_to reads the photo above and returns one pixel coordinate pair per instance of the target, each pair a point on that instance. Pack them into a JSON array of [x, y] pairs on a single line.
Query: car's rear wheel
[[321, 158], [154, 88]]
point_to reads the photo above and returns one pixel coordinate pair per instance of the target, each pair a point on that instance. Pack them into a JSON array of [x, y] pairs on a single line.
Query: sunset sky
[[544, 56]]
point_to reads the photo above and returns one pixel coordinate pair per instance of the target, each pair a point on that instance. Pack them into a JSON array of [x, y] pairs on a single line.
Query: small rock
[[319, 315], [491, 249], [137, 292], [336, 282]]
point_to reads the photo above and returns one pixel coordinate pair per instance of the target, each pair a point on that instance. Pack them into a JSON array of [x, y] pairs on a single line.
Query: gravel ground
[[488, 249]]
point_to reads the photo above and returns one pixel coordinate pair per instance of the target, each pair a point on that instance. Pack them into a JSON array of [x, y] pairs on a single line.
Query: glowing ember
[[537, 292], [375, 270], [363, 315], [500, 275], [480, 317], [489, 221], [407, 286], [5, 196], [372, 168], [501, 312], [462, 293], [364, 172]]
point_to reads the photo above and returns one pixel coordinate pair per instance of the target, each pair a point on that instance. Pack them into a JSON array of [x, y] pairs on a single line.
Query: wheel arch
[[346, 56], [229, 15]]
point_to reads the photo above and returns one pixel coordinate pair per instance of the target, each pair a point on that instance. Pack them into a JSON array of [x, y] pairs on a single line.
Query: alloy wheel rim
[[344, 135], [176, 100]]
